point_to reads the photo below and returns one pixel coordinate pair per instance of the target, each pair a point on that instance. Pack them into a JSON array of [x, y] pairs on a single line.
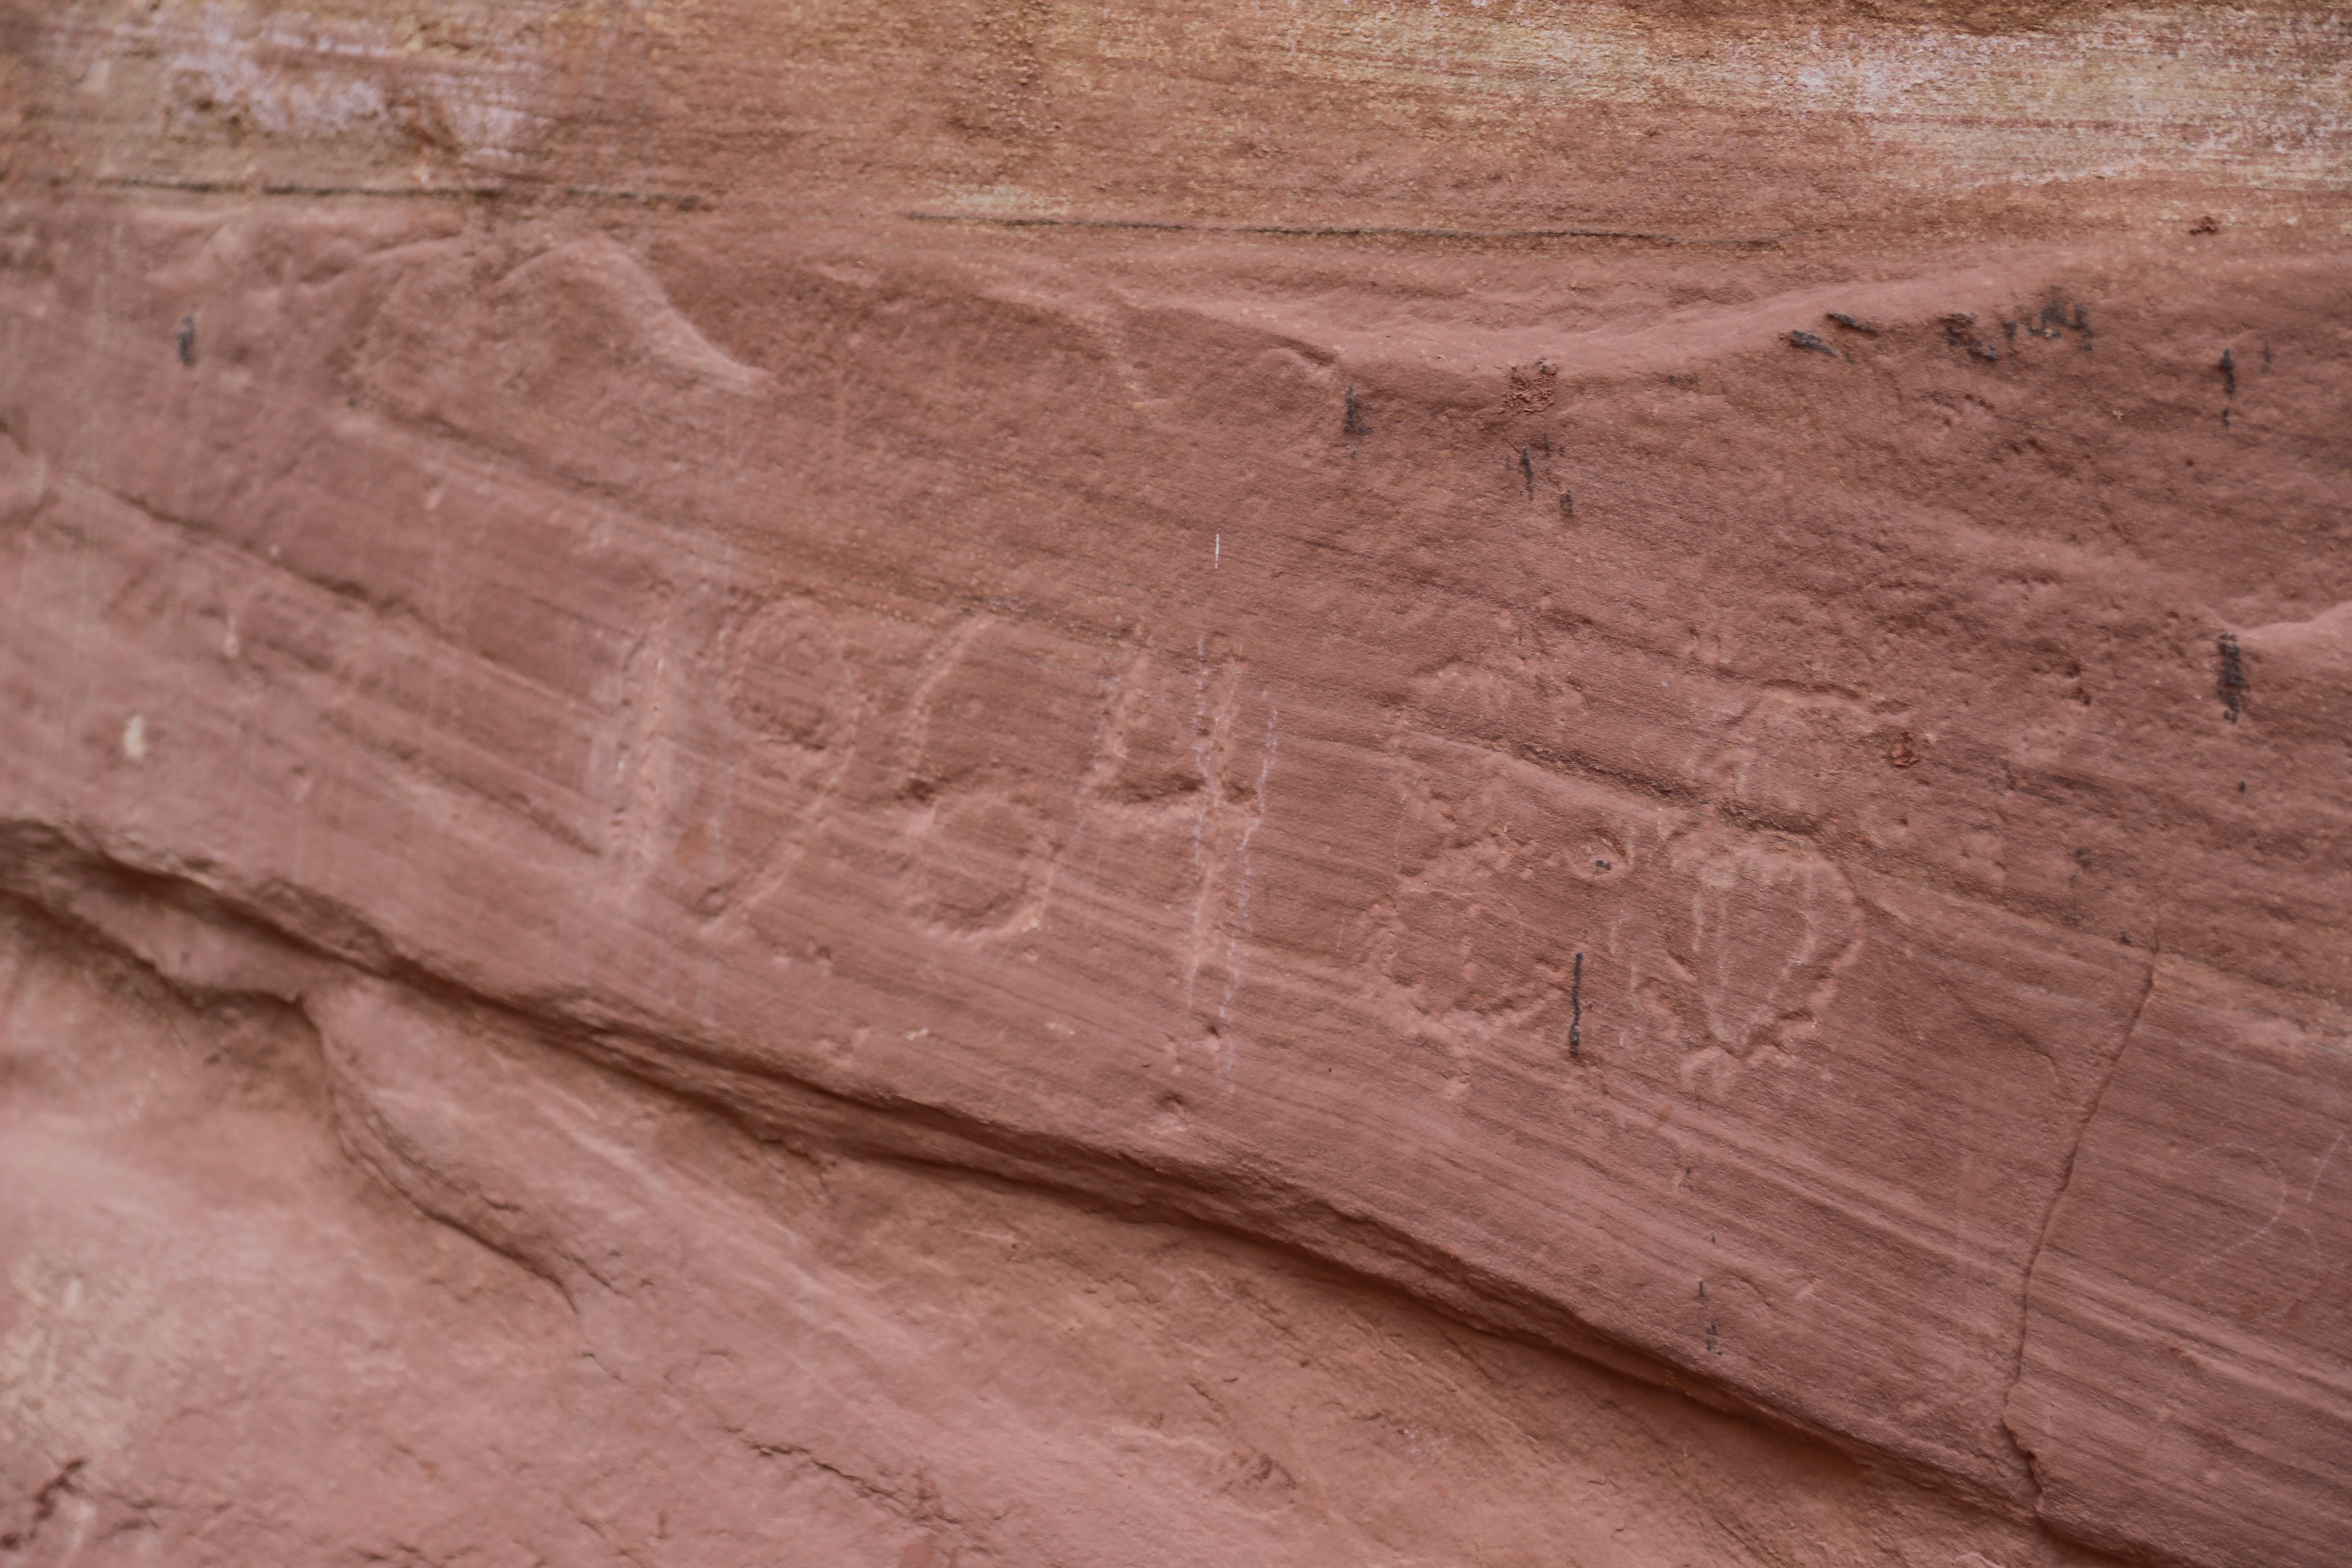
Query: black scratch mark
[[1959, 339], [1576, 1007], [2232, 681]]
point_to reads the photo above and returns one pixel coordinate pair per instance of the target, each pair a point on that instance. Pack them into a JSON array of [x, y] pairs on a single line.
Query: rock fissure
[[2065, 1181], [44, 1506]]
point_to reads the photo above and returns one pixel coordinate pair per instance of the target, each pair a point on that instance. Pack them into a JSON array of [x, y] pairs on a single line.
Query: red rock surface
[[964, 782]]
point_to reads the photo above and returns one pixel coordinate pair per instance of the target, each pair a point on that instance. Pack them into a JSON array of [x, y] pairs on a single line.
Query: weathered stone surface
[[1672, 678], [613, 1328], [2185, 1347]]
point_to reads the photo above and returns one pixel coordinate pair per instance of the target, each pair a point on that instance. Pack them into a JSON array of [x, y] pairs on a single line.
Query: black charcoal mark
[[1567, 504], [187, 338], [1854, 324], [2232, 683], [1353, 425], [2266, 356], [1956, 334], [1818, 344], [1576, 1007], [2051, 322], [1528, 471], [2229, 369]]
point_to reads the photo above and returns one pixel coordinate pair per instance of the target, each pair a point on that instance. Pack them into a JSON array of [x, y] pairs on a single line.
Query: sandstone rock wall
[[769, 767]]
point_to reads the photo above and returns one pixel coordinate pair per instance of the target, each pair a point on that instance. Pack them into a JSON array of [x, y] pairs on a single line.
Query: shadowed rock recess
[[1402, 783]]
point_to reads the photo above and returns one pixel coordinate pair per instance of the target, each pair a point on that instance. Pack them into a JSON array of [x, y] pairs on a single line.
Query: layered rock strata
[[772, 758]]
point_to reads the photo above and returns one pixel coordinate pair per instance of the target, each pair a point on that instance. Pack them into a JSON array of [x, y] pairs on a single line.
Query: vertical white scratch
[[1243, 917]]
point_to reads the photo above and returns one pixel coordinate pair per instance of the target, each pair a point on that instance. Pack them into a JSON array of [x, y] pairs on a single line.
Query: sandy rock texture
[[961, 782]]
